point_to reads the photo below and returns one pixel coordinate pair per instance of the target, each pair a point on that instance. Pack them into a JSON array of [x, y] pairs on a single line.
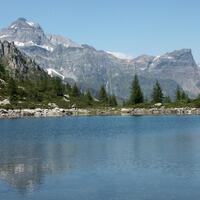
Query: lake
[[100, 158]]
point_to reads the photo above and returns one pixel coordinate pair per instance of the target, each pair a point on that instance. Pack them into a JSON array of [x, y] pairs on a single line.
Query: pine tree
[[181, 95], [43, 85], [12, 89], [124, 103], [88, 97], [178, 94], [136, 96], [185, 97], [2, 71], [112, 101], [68, 88], [157, 94], [75, 91], [103, 97], [58, 86]]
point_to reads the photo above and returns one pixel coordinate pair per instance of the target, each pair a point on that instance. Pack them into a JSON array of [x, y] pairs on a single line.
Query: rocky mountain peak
[[25, 33], [182, 54], [178, 58], [24, 23], [18, 64]]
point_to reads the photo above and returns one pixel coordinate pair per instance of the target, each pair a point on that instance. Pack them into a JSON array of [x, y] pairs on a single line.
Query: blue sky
[[131, 26]]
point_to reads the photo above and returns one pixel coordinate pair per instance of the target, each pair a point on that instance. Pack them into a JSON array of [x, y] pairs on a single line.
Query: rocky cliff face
[[17, 64], [178, 66], [91, 68]]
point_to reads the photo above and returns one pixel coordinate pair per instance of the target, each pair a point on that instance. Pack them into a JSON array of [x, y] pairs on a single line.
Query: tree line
[[157, 96], [53, 89], [103, 97]]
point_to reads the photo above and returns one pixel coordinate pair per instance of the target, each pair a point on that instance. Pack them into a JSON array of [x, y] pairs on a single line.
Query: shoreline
[[59, 112]]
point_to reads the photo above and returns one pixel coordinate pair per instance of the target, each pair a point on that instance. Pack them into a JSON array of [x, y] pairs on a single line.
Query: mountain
[[178, 66], [21, 79], [18, 65], [24, 84], [91, 68], [24, 33]]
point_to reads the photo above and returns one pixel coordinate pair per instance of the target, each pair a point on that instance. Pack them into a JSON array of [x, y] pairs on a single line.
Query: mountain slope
[[23, 84], [18, 65], [91, 68]]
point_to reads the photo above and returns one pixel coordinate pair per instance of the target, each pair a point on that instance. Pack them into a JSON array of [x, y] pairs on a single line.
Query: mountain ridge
[[91, 68]]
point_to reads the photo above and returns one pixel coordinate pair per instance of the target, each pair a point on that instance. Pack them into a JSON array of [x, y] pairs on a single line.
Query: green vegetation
[[88, 98], [136, 96], [136, 99], [47, 92], [157, 94], [75, 91], [12, 90], [106, 100], [103, 97], [181, 96]]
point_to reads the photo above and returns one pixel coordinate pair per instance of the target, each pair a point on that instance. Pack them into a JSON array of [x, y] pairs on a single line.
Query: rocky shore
[[38, 112]]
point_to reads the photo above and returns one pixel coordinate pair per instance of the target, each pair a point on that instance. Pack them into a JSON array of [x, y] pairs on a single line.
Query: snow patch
[[13, 26], [169, 57], [31, 43], [51, 72], [156, 58], [120, 55], [164, 57], [30, 23], [19, 44], [48, 48], [3, 36], [22, 44]]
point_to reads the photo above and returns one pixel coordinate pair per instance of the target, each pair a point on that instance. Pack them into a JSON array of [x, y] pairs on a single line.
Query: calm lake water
[[100, 158]]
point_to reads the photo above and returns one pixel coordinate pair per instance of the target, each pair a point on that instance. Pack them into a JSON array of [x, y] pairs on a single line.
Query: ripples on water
[[100, 158]]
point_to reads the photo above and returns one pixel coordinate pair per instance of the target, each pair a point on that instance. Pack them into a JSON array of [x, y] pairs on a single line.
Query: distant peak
[[182, 51], [23, 22], [21, 19]]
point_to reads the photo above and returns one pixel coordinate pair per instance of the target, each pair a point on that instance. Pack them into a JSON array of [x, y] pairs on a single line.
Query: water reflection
[[112, 147]]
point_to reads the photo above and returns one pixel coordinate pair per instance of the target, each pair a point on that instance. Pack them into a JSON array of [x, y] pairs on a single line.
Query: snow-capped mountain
[[25, 33], [91, 68]]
